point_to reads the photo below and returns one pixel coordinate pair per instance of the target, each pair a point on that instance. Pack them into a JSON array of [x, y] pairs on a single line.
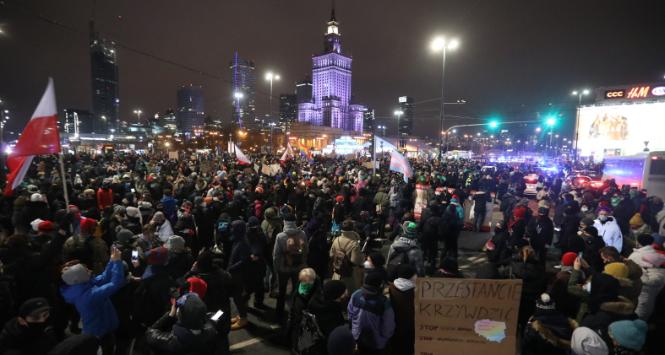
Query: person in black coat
[[185, 329], [592, 245], [239, 266], [308, 289], [152, 295], [29, 332], [449, 230], [429, 228], [527, 267], [540, 231], [548, 331], [328, 308], [258, 244], [375, 264]]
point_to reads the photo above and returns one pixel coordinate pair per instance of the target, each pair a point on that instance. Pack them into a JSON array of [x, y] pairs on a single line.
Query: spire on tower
[[332, 12]]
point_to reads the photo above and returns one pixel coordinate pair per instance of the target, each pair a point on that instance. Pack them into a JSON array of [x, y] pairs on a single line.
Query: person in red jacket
[[104, 196]]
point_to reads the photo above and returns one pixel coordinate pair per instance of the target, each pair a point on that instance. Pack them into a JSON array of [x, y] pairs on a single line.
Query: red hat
[[568, 258], [339, 198], [198, 286], [45, 226], [158, 256], [519, 212], [88, 225]]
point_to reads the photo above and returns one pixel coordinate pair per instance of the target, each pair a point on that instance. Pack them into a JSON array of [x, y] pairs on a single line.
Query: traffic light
[[493, 124]]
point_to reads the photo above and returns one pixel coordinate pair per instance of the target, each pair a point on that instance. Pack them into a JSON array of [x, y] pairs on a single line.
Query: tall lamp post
[[579, 94], [398, 114], [138, 113], [441, 44], [270, 77]]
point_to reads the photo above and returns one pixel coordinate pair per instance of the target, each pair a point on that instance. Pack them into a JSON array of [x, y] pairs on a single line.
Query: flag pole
[[374, 155], [64, 180]]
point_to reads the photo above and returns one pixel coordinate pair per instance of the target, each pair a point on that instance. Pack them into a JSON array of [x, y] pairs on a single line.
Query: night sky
[[515, 58]]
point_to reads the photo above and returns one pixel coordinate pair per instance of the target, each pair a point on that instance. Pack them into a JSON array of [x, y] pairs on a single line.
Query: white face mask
[[584, 209], [579, 233], [587, 287], [368, 265]]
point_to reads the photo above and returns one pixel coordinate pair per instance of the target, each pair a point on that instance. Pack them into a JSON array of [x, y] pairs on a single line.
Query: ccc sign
[[614, 94]]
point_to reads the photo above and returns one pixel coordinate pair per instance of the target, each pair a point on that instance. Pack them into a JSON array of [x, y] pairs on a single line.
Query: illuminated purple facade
[[331, 87]]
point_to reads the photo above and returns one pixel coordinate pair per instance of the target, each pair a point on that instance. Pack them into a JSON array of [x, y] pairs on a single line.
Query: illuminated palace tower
[[331, 87]]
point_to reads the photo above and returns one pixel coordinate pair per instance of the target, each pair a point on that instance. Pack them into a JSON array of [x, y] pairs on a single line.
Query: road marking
[[244, 344]]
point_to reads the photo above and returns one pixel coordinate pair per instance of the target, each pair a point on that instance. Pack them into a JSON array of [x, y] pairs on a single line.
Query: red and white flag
[[288, 153], [40, 137], [241, 157]]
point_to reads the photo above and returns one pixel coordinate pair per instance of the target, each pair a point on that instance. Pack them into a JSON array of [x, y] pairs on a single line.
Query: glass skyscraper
[[105, 100], [190, 113], [243, 91], [331, 86]]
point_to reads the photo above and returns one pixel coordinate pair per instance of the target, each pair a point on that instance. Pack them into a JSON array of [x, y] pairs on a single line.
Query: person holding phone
[[185, 328]]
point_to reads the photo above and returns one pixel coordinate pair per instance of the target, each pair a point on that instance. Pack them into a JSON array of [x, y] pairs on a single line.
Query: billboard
[[623, 129]]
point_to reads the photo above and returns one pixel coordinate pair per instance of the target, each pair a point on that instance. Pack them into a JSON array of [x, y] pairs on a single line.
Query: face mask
[[37, 328], [602, 218], [615, 201], [584, 208], [579, 233], [304, 289], [368, 265], [587, 287]]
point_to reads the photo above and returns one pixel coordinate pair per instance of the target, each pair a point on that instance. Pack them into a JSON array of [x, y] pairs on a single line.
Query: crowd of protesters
[[149, 252]]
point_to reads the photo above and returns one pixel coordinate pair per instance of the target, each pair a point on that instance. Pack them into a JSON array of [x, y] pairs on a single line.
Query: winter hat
[[157, 256], [545, 302], [630, 334], [605, 209], [45, 226], [636, 221], [238, 228], [617, 269], [339, 199], [340, 341], [373, 279], [587, 221], [410, 229], [191, 311], [587, 342], [175, 243], [124, 236], [88, 225], [32, 189], [36, 197], [644, 239], [33, 306], [405, 271], [568, 259], [377, 259], [75, 274], [591, 230], [253, 222], [198, 286], [333, 289], [519, 212], [133, 212], [35, 224]]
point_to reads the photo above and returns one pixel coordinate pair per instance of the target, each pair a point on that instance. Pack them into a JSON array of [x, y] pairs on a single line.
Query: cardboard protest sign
[[466, 316]]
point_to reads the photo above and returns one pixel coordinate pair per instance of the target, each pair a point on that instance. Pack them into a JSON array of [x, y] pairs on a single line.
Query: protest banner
[[466, 316]]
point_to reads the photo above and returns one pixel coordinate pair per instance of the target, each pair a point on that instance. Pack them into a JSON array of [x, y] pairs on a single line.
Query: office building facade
[[190, 111], [243, 91], [105, 91]]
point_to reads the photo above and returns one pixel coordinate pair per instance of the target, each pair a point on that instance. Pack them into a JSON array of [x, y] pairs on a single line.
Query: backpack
[[309, 333], [341, 263], [295, 249], [398, 257]]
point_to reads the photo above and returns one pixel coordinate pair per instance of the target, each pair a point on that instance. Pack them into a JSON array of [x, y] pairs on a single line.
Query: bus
[[644, 171]]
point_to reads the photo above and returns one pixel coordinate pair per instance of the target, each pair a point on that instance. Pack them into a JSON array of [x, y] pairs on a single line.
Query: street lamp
[[441, 44], [579, 94], [270, 77], [138, 113]]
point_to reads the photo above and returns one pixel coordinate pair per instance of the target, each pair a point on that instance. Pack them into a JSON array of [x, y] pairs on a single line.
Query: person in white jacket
[[608, 229], [653, 275], [163, 228]]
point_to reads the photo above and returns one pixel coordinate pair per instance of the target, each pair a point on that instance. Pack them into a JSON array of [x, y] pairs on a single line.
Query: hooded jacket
[[349, 244], [166, 336], [92, 300], [610, 232], [279, 252], [18, 339], [414, 253], [372, 318], [653, 280], [548, 334]]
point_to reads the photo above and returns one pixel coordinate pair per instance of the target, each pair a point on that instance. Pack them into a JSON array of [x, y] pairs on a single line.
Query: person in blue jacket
[[92, 297]]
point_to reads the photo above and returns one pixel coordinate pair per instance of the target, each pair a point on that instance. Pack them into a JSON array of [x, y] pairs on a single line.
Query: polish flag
[[288, 153], [241, 157], [40, 137]]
